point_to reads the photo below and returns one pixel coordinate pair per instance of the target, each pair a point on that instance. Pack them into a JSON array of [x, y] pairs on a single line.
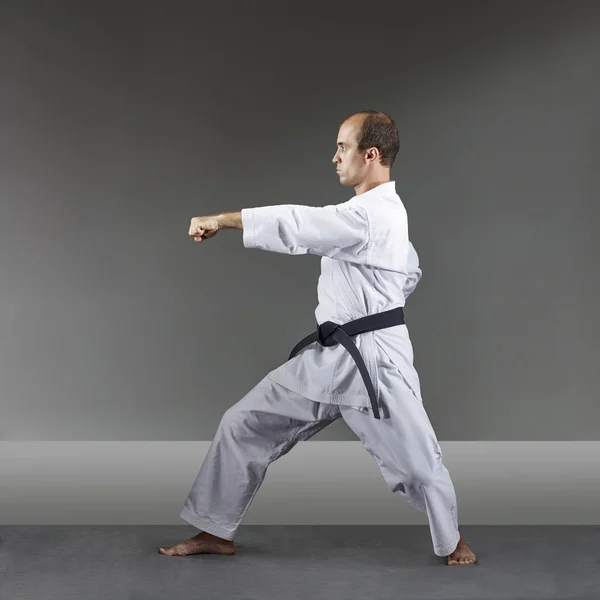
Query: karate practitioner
[[362, 372]]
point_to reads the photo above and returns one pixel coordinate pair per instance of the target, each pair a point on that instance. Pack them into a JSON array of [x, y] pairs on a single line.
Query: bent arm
[[414, 272]]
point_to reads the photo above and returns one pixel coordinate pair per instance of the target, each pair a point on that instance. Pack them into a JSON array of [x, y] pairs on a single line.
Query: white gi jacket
[[368, 265]]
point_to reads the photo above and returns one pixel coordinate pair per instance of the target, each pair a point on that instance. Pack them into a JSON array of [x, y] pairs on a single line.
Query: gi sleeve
[[340, 232], [414, 272]]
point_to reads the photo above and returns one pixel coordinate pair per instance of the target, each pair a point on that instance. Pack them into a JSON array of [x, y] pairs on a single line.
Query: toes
[[461, 560], [467, 560]]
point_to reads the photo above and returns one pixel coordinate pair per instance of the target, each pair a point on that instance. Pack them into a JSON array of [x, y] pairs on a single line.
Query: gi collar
[[384, 189]]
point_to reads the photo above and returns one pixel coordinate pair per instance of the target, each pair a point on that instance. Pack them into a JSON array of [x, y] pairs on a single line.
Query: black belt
[[330, 334]]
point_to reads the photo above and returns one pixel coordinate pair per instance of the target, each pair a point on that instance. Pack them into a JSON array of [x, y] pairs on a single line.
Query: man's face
[[351, 165]]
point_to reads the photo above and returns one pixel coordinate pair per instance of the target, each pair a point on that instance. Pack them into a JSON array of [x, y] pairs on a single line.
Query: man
[[357, 366]]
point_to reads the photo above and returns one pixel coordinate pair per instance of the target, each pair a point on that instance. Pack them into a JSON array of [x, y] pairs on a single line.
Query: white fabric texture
[[270, 420], [368, 266]]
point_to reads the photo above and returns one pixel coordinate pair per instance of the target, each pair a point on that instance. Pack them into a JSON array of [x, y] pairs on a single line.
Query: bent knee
[[419, 478], [233, 424], [243, 422]]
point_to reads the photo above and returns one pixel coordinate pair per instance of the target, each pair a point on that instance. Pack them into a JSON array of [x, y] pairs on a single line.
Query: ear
[[372, 155]]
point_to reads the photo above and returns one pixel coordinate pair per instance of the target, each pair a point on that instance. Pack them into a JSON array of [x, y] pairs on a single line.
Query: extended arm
[[338, 231], [346, 232]]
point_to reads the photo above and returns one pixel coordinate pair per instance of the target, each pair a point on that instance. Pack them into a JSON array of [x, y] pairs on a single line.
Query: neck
[[365, 186]]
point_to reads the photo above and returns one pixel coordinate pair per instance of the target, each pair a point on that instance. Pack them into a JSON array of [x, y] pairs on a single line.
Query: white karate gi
[[365, 265], [368, 266]]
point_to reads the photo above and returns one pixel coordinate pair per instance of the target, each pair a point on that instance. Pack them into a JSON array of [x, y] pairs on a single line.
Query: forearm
[[230, 220]]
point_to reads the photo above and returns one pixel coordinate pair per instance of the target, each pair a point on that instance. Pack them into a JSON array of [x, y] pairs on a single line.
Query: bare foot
[[462, 555], [203, 543]]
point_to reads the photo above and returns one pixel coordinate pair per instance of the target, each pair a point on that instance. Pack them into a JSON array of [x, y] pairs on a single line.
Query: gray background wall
[[119, 121]]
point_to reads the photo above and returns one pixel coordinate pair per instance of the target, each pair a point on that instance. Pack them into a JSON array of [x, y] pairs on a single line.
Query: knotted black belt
[[330, 334]]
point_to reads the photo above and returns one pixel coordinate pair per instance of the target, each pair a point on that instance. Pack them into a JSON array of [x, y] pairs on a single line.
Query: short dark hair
[[378, 131]]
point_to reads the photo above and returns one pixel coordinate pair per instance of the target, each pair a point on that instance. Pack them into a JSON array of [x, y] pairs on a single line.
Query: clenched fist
[[202, 228]]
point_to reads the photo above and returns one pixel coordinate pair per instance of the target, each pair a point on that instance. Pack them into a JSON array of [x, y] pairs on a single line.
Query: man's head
[[367, 145]]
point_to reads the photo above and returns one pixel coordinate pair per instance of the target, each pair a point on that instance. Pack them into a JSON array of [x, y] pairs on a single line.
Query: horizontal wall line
[[317, 483]]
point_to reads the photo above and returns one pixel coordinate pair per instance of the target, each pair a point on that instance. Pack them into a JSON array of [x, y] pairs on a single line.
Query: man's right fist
[[202, 228]]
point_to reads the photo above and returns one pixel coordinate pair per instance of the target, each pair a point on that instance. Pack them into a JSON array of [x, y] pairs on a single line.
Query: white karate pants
[[270, 420]]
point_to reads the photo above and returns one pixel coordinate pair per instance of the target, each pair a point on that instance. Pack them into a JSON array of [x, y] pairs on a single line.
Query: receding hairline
[[358, 127], [372, 129], [365, 114], [369, 113]]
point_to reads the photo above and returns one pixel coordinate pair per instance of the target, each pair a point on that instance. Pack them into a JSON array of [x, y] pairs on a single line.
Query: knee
[[420, 477], [412, 479], [233, 420]]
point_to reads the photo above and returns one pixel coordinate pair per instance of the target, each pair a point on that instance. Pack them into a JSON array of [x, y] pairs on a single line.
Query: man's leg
[[261, 427], [406, 449]]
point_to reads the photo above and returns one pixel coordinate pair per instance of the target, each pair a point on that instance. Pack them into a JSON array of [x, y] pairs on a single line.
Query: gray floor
[[304, 562]]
